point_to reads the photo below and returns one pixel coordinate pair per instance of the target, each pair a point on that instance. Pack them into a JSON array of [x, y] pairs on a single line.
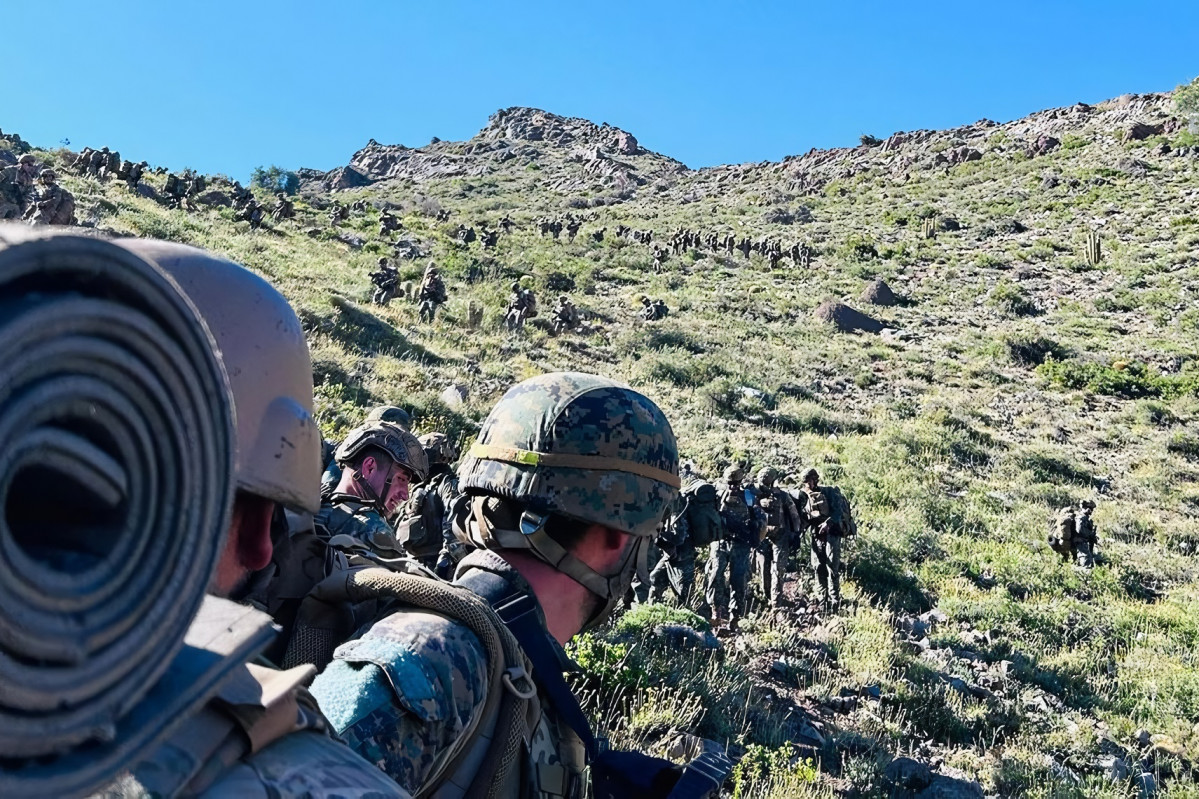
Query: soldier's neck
[[565, 603]]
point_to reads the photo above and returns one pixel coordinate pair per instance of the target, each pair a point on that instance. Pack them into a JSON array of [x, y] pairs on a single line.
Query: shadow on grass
[[362, 332], [883, 573]]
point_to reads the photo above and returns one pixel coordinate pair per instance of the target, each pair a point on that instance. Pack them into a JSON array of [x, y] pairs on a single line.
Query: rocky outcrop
[[846, 319]]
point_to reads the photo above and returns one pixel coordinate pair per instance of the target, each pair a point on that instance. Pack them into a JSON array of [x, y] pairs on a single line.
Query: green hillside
[[1014, 375]]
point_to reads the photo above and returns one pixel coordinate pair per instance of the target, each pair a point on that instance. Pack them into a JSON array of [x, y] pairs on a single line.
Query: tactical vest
[[342, 514]]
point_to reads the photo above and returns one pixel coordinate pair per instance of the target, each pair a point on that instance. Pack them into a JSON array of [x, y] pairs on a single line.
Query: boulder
[[345, 177], [626, 143], [877, 292], [846, 319], [1045, 144], [943, 787], [1138, 131], [215, 198], [455, 396], [908, 774]]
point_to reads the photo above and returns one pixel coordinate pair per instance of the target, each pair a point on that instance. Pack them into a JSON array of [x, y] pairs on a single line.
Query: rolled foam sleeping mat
[[116, 481]]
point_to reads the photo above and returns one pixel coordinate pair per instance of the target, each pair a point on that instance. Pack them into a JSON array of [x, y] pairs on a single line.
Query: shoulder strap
[[326, 616]]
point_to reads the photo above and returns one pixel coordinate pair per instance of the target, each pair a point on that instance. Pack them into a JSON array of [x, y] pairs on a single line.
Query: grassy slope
[[954, 448]]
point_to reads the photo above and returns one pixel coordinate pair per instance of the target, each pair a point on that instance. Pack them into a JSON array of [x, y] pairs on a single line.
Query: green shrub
[[1130, 380], [1010, 300]]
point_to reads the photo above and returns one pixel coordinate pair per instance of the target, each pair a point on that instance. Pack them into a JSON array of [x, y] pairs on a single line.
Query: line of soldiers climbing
[[739, 523]]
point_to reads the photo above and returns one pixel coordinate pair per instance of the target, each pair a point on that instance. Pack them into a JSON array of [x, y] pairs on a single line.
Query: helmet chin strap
[[495, 521], [376, 498]]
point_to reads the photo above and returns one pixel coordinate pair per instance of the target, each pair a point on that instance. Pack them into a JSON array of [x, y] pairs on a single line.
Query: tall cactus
[[1094, 248], [928, 227]]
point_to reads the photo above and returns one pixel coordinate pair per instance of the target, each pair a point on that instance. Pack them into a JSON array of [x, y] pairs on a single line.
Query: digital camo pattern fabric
[[403, 693], [568, 413]]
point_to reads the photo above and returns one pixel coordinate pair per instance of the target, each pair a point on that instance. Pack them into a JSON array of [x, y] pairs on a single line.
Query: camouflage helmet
[[516, 285], [580, 446], [400, 445], [733, 473], [270, 373], [383, 261], [438, 448], [48, 174], [575, 446], [767, 476], [1087, 504], [810, 474], [27, 159], [391, 413]]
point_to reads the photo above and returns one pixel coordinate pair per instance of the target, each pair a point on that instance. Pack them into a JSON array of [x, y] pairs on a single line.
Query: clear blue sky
[[225, 86]]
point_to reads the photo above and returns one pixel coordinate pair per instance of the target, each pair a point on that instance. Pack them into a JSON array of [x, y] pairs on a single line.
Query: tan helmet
[[438, 448], [270, 371], [398, 443], [391, 413], [734, 473]]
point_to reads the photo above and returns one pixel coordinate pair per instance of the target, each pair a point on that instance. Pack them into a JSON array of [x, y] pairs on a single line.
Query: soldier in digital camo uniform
[[564, 489], [380, 461], [261, 737]]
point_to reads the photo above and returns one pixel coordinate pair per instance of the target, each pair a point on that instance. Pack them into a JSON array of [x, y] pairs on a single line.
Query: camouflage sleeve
[[403, 693], [305, 764]]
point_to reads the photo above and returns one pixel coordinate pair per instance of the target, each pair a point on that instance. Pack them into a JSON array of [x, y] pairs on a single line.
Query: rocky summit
[[966, 330]]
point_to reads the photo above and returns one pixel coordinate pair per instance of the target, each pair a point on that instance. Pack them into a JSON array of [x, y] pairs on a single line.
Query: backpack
[[775, 513], [492, 747], [840, 510], [1062, 530], [65, 213], [419, 532], [703, 513], [530, 300]]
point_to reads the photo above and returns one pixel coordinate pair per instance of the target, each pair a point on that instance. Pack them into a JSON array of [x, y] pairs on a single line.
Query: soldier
[[422, 526], [522, 304], [338, 213], [134, 175], [465, 235], [598, 235], [379, 461], [1073, 535], [384, 279], [566, 315], [506, 224], [383, 413], [659, 310], [490, 238], [388, 223], [233, 745], [83, 161], [647, 308], [53, 205], [283, 208], [432, 293], [18, 184], [572, 228], [676, 567], [1085, 537], [827, 515], [111, 165], [783, 528], [660, 255], [562, 491], [97, 162], [743, 532]]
